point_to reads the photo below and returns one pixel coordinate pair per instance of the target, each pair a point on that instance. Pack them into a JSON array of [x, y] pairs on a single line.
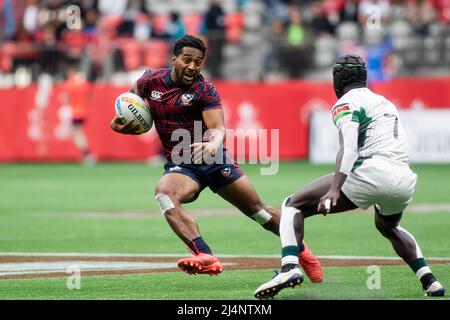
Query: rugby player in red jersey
[[182, 102]]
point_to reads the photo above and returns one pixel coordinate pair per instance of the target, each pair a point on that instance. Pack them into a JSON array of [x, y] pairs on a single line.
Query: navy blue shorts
[[213, 176]]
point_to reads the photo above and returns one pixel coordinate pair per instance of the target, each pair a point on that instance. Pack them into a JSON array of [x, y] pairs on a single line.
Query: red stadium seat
[[234, 25], [159, 24], [132, 53], [7, 51], [192, 23], [74, 41], [156, 54]]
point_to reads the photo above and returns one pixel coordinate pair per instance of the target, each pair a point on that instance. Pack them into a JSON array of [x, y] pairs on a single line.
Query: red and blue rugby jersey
[[176, 107]]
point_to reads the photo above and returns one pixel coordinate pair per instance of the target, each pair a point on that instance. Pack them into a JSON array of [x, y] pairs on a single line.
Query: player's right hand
[[328, 201], [119, 125]]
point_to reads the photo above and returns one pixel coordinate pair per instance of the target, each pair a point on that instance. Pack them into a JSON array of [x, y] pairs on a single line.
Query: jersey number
[[395, 123]]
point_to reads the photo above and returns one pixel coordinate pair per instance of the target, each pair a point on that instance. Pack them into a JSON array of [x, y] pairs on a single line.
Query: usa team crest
[[186, 99]]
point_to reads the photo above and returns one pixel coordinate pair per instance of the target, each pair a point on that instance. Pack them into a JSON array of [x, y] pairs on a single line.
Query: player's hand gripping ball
[[130, 106]]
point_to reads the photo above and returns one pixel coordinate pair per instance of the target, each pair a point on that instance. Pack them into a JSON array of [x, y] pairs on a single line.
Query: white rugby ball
[[129, 105]]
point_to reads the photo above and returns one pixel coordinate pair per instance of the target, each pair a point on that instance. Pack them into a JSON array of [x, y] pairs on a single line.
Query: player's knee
[[295, 202], [386, 230], [165, 189], [287, 202]]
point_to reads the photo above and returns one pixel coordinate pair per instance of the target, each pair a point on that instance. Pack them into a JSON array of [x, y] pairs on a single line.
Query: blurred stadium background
[[271, 61]]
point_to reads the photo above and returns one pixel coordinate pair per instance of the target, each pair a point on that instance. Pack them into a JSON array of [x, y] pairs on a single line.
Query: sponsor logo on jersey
[[226, 172], [340, 111], [176, 168], [186, 99], [156, 95]]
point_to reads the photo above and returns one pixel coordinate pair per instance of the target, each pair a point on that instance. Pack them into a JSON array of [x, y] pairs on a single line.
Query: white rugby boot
[[280, 281], [435, 290]]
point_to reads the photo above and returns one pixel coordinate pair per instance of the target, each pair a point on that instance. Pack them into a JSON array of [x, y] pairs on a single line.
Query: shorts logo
[[156, 95], [186, 99], [226, 172], [176, 168]]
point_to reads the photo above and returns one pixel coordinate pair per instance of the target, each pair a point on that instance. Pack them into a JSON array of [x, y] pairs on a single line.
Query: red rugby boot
[[311, 265], [201, 263]]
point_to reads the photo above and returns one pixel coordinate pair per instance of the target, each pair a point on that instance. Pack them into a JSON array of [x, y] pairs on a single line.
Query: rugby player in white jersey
[[372, 169]]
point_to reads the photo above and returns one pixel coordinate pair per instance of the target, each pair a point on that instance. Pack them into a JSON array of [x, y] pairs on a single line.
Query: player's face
[[187, 65]]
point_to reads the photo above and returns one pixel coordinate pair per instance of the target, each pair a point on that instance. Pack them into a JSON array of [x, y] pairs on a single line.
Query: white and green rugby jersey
[[380, 130]]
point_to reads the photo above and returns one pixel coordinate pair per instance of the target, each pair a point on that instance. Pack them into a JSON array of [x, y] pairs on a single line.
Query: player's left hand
[[119, 125], [202, 150], [328, 201]]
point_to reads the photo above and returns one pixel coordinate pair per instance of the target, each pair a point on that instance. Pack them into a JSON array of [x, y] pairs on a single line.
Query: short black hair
[[189, 41]]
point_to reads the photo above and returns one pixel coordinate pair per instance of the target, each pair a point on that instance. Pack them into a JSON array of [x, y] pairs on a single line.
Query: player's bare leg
[[295, 209], [242, 195], [81, 142], [407, 248], [179, 189], [305, 202], [172, 190]]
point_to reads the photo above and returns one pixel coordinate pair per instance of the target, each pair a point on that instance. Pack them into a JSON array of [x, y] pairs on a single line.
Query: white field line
[[415, 208], [102, 255]]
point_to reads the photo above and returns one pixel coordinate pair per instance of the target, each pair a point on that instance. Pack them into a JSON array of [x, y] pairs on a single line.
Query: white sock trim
[[262, 217], [422, 271], [289, 260], [418, 251], [287, 233]]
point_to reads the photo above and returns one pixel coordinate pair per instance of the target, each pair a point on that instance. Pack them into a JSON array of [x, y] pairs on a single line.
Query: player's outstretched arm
[[346, 157], [214, 121]]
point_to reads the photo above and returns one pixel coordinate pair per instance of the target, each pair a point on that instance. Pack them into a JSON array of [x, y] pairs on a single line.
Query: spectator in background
[[214, 25], [143, 25], [7, 16], [90, 23], [26, 54], [75, 93], [295, 29], [53, 16], [293, 57], [398, 10], [320, 23], [175, 29], [30, 16], [87, 5], [277, 39], [349, 11], [50, 54], [132, 11], [420, 14], [276, 11], [379, 56]]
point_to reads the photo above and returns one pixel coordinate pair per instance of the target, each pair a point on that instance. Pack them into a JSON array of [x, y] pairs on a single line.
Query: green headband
[[349, 65]]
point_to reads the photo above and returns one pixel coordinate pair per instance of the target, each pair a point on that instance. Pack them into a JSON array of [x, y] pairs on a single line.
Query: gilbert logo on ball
[[130, 106]]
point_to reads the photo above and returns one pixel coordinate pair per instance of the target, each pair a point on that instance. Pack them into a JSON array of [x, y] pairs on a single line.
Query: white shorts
[[383, 182]]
